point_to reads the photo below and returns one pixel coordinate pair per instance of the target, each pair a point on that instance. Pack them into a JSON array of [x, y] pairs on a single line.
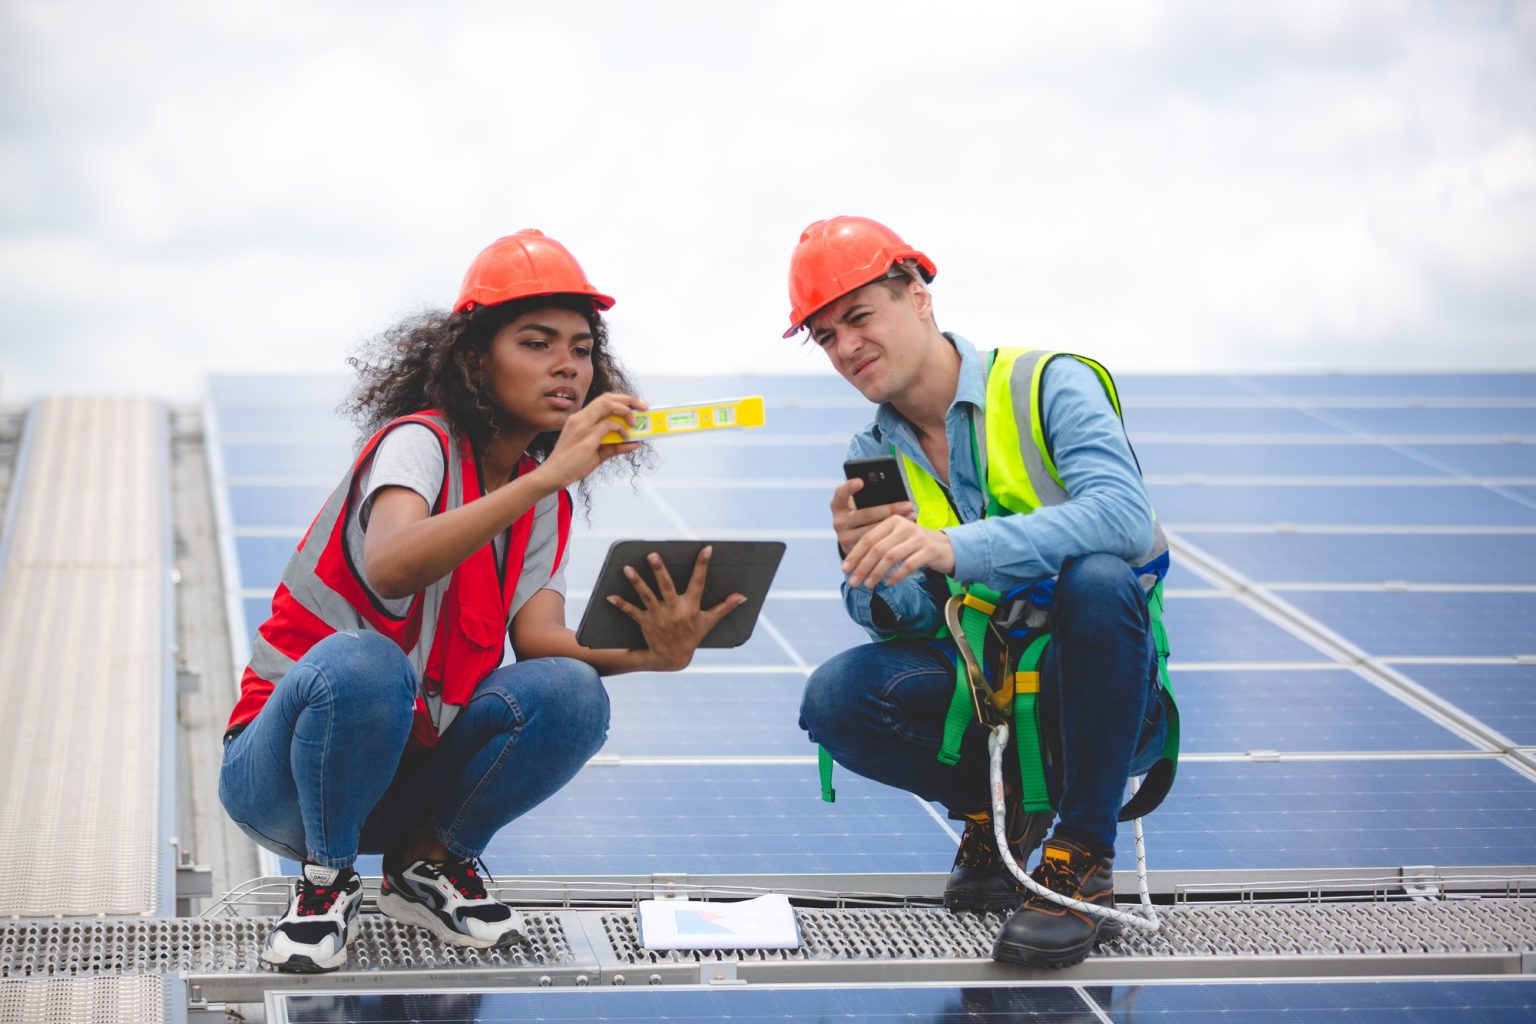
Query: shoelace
[[977, 847], [317, 899], [463, 878], [1058, 876]]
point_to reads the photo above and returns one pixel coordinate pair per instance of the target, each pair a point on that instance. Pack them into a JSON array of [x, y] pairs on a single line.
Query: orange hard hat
[[840, 255], [520, 266]]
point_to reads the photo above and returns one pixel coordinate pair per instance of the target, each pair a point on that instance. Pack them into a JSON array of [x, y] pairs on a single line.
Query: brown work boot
[[980, 881], [1046, 934]]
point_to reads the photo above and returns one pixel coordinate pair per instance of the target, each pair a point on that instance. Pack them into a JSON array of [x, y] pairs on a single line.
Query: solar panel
[[745, 1006], [1387, 1002], [1354, 1002], [1189, 505], [1436, 623], [1165, 458], [1401, 388], [1311, 558], [1390, 760], [1501, 695], [1507, 458], [1343, 813], [1298, 711]]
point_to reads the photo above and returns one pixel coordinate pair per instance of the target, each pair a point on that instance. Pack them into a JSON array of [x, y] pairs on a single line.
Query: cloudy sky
[[1185, 186]]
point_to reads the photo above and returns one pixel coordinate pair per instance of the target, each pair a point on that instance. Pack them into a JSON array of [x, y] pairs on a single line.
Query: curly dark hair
[[433, 361]]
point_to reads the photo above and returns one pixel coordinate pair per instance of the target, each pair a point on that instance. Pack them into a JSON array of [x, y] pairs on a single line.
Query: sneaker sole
[[410, 912], [298, 963]]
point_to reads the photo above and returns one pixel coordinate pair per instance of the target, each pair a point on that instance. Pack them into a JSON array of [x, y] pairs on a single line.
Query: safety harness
[[1017, 625]]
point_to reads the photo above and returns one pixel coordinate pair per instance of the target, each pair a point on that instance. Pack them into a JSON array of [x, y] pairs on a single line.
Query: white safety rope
[[996, 742]]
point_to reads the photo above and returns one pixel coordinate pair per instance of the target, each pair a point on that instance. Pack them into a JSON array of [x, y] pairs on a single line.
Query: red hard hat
[[521, 266], [838, 256]]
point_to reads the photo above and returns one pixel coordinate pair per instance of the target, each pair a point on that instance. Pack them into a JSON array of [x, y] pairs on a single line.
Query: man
[[1024, 489]]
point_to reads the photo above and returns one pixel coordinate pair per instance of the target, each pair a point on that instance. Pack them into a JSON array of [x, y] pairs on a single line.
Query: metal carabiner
[[983, 697]]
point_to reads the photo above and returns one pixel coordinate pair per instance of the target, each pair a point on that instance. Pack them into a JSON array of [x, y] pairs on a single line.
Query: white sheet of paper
[[766, 922]]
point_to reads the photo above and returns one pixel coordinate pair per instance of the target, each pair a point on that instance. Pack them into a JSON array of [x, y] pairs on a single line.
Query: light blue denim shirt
[[1108, 510]]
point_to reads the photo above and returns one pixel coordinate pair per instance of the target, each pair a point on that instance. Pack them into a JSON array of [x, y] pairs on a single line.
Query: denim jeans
[[324, 772], [879, 709]]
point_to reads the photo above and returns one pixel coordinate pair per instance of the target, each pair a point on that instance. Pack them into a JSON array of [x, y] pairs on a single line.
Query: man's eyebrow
[[841, 318]]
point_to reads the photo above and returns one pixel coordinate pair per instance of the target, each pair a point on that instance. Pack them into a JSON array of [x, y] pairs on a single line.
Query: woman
[[373, 716]]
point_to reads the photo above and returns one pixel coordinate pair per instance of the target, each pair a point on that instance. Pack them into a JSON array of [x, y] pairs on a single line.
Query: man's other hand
[[895, 548]]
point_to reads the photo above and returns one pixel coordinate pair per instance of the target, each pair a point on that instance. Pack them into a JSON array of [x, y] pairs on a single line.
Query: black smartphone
[[883, 484]]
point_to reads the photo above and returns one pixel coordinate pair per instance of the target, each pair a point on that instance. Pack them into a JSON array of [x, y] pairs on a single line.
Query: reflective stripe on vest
[[453, 630]]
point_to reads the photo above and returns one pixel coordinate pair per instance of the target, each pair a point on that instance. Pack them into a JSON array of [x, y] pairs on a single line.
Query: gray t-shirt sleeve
[[557, 581], [409, 456]]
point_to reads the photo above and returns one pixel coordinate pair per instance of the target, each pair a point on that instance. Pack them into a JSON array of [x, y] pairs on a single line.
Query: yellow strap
[[972, 601], [1026, 682]]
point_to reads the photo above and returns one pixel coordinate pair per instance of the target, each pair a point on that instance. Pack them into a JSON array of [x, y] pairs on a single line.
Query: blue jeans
[[879, 709], [324, 772]]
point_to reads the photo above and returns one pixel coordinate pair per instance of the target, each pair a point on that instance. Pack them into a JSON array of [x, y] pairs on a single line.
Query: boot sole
[[1014, 953], [995, 906], [1017, 953]]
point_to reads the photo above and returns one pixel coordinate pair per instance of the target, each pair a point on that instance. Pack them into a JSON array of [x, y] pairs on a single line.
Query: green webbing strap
[[959, 716], [824, 763], [962, 707], [1026, 694]]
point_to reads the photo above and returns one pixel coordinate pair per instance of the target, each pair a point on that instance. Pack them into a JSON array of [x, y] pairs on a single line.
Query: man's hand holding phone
[[857, 506], [879, 533]]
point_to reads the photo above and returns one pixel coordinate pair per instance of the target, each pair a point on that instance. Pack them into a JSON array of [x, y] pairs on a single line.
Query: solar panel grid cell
[[1443, 624], [1503, 696], [1508, 459]]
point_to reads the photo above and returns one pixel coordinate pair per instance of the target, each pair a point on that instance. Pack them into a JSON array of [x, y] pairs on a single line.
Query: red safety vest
[[453, 631]]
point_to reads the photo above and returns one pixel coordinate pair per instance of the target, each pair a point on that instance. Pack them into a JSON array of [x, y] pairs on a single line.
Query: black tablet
[[736, 566]]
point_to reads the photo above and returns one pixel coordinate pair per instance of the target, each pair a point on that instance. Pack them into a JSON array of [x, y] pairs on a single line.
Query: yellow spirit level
[[671, 420]]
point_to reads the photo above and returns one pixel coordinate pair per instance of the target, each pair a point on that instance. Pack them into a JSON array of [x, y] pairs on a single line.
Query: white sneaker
[[313, 935], [450, 901]]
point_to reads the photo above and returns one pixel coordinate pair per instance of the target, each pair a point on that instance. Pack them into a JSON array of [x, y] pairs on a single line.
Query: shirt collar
[[971, 387]]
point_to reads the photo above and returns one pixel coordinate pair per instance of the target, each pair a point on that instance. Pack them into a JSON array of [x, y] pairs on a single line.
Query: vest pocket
[[481, 630], [474, 650]]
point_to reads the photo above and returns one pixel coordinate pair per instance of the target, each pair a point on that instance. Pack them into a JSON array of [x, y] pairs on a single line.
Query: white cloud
[[1183, 185]]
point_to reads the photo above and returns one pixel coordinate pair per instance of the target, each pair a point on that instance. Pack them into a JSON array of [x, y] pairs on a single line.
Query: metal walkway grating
[[83, 664], [99, 1000], [218, 958], [92, 948], [1477, 926]]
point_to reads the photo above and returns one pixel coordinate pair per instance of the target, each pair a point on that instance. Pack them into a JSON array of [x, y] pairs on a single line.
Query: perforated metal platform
[[218, 959]]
